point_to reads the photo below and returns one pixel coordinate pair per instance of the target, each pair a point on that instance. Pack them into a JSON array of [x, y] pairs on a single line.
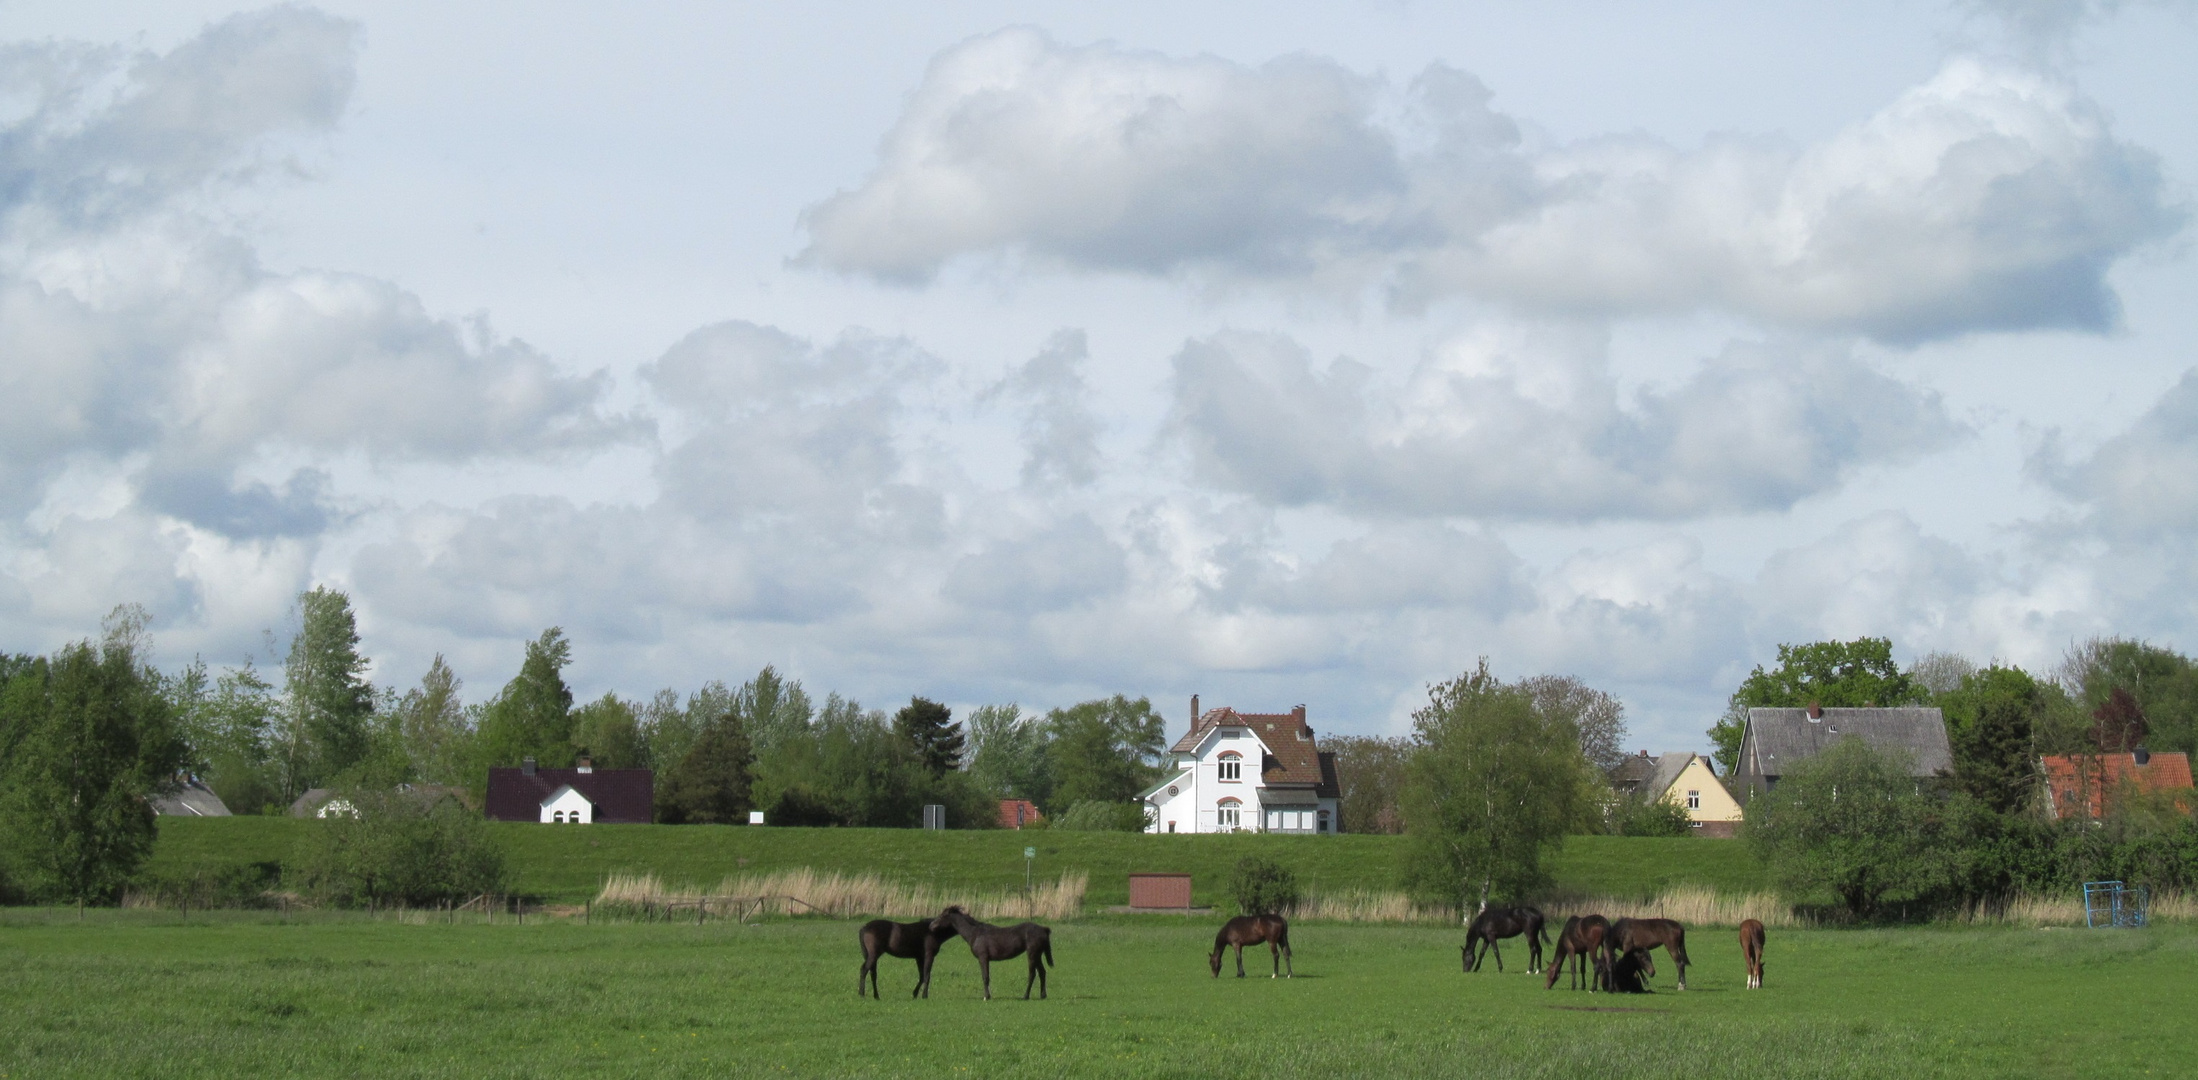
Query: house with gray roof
[[1776, 740], [191, 798]]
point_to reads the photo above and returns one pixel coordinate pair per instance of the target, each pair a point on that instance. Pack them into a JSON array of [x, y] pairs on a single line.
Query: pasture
[[160, 994]]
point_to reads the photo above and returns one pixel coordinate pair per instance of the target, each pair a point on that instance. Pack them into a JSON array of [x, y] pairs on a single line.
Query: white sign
[[1030, 853], [755, 817]]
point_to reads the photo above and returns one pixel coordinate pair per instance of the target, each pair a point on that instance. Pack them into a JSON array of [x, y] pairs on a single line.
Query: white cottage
[[1246, 772]]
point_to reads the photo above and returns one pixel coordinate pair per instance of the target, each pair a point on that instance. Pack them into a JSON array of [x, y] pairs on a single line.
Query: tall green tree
[[432, 722], [2161, 683], [1491, 790], [94, 737], [608, 730], [233, 736], [532, 716], [1992, 718], [1008, 755], [1372, 772], [1105, 750], [1835, 674], [1850, 821], [773, 708], [930, 731], [327, 701], [1597, 717], [711, 785]]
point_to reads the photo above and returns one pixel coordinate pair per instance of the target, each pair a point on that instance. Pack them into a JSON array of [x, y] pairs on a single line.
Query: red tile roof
[[1016, 813], [1291, 756], [621, 796], [2087, 781]]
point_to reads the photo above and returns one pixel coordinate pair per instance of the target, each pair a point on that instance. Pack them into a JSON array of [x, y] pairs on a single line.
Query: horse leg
[[1498, 950], [1289, 965], [861, 988], [1239, 959], [1032, 977], [984, 967]]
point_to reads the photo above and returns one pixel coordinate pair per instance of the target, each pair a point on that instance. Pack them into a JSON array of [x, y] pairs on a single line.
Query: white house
[[1249, 772], [566, 806]]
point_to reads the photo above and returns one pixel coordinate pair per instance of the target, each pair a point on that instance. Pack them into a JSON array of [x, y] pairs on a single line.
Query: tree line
[[89, 733]]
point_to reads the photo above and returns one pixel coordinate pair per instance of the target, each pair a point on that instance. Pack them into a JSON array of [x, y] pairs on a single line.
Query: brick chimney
[[1816, 711], [586, 764], [1194, 712]]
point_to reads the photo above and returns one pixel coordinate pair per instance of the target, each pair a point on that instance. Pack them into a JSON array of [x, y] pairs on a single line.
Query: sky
[[1281, 353]]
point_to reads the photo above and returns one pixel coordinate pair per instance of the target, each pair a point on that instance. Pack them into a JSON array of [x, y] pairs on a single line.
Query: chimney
[[1194, 712], [1816, 711], [586, 763], [2141, 755], [526, 765]]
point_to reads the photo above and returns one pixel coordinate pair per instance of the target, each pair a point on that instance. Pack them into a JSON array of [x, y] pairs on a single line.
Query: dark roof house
[[1776, 740], [191, 798], [602, 796]]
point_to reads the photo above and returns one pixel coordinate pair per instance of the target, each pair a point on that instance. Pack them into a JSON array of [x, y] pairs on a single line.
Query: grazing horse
[[1499, 922], [917, 941], [1641, 935], [1272, 931], [1751, 948], [988, 943], [1581, 940]]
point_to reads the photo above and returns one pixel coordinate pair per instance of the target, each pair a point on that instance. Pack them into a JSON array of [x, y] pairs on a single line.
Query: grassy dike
[[568, 864]]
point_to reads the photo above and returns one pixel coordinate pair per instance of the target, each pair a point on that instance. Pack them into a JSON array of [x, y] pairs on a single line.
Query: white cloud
[[2142, 482], [1514, 423], [1990, 197]]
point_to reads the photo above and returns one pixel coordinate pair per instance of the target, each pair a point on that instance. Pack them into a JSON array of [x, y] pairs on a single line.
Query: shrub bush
[[1262, 886], [398, 849], [1632, 816], [1094, 815]]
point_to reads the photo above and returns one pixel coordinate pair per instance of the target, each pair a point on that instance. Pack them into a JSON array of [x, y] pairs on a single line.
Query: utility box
[[1160, 892], [934, 816]]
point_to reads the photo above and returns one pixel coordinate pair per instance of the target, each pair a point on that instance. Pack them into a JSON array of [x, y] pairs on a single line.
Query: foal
[[1582, 941], [916, 941], [1500, 922], [1751, 948], [1641, 935], [1272, 931], [988, 943]]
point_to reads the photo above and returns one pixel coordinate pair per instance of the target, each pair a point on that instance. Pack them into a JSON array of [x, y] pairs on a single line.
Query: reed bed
[[1692, 905], [810, 892], [2069, 910], [1362, 906]]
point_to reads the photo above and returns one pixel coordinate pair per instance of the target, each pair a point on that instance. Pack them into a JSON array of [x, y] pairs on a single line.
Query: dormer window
[[1232, 766]]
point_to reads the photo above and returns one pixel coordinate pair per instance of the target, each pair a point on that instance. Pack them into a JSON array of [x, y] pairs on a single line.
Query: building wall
[[569, 807], [1713, 802], [1200, 792]]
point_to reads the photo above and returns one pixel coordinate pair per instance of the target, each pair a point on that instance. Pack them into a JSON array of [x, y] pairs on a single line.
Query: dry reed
[[1692, 905], [810, 892], [2069, 910]]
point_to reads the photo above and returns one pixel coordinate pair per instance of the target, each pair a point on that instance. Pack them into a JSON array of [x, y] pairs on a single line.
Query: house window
[[1324, 821], [1694, 800], [1232, 766], [1226, 815], [1171, 826]]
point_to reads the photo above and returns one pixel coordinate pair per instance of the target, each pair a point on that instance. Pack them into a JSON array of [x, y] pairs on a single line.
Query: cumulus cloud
[[2141, 482], [134, 327], [1531, 425], [1989, 197], [1060, 435]]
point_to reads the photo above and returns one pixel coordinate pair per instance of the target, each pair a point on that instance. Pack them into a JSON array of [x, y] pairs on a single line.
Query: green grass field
[[569, 864], [155, 994]]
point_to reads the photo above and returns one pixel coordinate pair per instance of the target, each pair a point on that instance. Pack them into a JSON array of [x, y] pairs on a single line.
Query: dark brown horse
[[1751, 949], [1502, 922], [988, 943], [1581, 941], [1641, 935], [1272, 931], [916, 941], [1623, 974]]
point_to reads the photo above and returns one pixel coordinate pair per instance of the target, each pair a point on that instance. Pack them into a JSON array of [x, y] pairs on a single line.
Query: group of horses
[[1612, 956], [1606, 955]]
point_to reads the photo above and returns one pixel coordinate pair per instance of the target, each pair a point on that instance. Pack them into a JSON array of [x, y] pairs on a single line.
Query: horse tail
[[1046, 950]]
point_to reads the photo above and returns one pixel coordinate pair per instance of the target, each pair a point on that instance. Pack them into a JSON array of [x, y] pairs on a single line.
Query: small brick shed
[[1160, 890]]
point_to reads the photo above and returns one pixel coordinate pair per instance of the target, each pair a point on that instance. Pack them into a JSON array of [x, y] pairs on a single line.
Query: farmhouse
[[1687, 780], [1246, 772], [2086, 786], [1776, 740], [580, 795], [1016, 813], [191, 798]]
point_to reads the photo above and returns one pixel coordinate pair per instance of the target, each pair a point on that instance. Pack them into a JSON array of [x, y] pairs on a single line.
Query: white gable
[[567, 807]]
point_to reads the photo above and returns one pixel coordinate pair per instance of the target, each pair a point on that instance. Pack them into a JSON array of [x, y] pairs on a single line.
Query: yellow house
[[1688, 780]]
